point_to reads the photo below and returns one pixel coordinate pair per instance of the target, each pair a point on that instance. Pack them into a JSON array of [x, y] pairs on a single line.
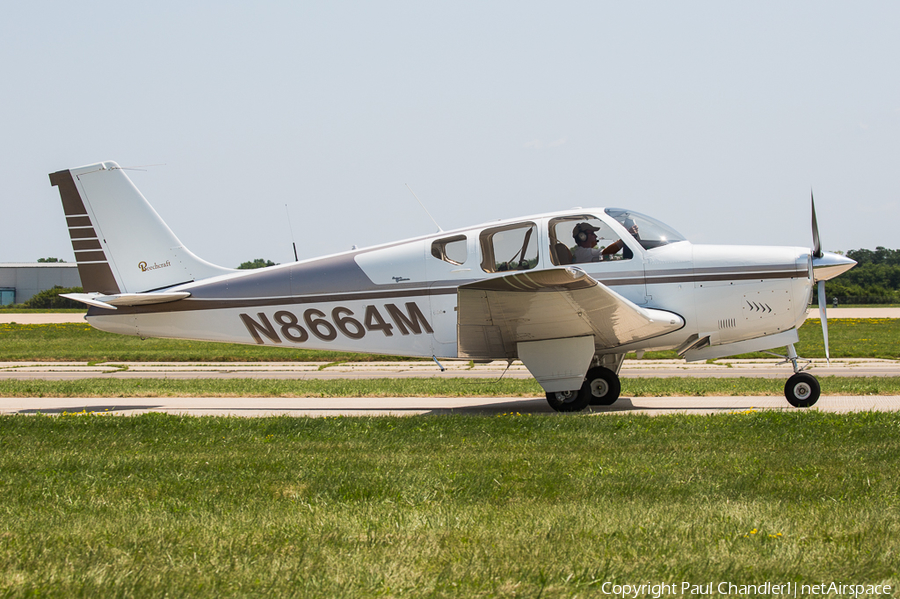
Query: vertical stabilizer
[[121, 244]]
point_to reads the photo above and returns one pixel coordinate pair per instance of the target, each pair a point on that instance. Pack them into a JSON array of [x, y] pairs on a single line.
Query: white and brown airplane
[[568, 293]]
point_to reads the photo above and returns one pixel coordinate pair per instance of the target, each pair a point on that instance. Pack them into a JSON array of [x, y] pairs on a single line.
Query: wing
[[497, 314]]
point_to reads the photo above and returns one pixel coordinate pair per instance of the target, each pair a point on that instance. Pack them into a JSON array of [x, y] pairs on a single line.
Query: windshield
[[649, 232]]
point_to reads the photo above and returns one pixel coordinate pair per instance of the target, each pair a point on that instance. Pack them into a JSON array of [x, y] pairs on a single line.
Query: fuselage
[[401, 298]]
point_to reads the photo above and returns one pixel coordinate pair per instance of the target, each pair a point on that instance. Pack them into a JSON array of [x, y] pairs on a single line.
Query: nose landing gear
[[802, 389]]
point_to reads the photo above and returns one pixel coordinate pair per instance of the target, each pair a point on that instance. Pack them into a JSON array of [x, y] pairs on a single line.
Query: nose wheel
[[802, 390]]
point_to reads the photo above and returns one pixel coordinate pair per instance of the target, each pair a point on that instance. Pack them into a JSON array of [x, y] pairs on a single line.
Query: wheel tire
[[602, 386], [802, 390], [568, 401]]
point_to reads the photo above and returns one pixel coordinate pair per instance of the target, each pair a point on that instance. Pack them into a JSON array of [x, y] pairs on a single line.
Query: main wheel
[[802, 390], [602, 386], [568, 401]]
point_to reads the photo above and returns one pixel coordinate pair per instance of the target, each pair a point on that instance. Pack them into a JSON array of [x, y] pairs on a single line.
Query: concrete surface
[[384, 406]]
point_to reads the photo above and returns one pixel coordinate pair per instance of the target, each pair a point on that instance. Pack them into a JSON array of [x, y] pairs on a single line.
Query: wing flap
[[496, 314]]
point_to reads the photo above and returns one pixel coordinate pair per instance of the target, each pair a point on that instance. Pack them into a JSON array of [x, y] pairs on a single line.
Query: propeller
[[825, 265], [817, 245], [817, 254]]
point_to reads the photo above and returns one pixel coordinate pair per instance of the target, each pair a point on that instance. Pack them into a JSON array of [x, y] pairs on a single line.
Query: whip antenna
[[291, 229], [423, 207]]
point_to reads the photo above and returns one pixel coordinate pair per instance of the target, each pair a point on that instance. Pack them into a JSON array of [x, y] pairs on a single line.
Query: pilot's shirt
[[581, 254]]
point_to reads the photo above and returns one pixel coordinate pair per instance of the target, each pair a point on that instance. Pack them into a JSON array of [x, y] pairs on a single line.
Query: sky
[[252, 125]]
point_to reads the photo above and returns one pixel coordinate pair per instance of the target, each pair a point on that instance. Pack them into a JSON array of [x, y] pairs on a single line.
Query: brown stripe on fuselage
[[438, 288]]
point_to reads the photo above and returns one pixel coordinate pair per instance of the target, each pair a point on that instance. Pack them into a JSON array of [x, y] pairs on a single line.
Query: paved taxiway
[[407, 406]]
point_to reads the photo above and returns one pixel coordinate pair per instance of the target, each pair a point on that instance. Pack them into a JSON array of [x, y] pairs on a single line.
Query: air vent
[[759, 307]]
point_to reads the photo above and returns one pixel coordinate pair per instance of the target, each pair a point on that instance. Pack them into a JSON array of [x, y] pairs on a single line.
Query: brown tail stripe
[[93, 268]]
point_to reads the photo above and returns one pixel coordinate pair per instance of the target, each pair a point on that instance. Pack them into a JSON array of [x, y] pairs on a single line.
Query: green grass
[[449, 506], [83, 343], [848, 338], [421, 387]]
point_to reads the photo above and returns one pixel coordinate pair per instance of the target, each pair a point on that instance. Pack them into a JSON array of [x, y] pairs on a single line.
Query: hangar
[[19, 281]]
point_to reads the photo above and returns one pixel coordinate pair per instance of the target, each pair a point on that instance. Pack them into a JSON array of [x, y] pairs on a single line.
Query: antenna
[[423, 207], [296, 259]]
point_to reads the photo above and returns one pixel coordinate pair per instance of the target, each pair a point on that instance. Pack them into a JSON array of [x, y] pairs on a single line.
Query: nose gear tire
[[802, 390]]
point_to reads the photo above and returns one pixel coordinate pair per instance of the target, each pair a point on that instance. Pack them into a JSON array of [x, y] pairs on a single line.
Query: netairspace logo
[[769, 589]]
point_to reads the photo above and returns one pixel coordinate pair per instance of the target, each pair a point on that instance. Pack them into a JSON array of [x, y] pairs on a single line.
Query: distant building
[[21, 280]]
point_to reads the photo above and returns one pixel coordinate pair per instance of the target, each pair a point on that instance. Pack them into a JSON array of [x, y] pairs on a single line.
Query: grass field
[[848, 338], [436, 506], [451, 506]]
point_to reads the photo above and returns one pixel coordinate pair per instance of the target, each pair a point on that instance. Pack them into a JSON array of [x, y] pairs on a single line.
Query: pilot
[[585, 235]]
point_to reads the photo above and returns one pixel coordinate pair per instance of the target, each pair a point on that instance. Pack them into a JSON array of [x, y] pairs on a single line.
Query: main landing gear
[[601, 388]]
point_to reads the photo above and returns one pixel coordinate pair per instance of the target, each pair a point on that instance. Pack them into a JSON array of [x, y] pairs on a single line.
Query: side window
[[572, 241], [450, 249], [513, 247]]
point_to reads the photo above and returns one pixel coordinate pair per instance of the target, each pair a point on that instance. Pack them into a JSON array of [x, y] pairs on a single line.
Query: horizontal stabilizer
[[110, 302]]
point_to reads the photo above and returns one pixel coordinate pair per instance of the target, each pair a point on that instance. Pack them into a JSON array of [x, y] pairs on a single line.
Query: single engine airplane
[[568, 293]]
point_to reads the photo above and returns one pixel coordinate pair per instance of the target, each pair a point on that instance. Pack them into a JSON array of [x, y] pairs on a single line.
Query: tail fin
[[121, 244]]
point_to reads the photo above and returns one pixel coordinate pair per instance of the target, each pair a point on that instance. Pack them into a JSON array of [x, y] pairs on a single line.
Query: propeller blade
[[817, 245], [823, 314]]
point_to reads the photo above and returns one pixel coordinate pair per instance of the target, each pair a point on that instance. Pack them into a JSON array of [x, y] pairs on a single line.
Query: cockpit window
[[584, 238], [649, 232], [450, 249], [513, 247]]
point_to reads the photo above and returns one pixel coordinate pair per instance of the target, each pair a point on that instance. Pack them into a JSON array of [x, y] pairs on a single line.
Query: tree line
[[874, 280]]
